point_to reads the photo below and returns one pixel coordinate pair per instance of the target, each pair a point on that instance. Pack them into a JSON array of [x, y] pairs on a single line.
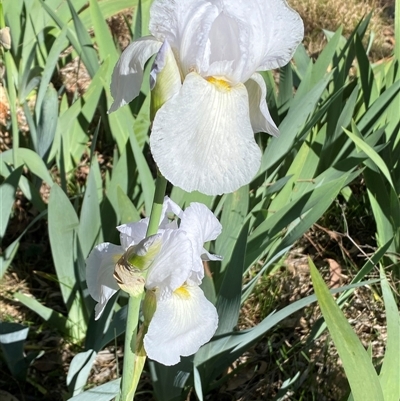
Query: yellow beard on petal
[[182, 292], [221, 84]]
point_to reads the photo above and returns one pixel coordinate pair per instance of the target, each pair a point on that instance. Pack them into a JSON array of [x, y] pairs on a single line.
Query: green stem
[[133, 364], [161, 185], [128, 372]]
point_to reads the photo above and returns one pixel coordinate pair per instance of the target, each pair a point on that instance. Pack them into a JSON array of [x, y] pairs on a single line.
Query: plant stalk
[[133, 363]]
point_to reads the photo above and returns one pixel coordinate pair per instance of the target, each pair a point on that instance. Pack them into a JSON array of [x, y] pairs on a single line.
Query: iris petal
[[127, 76], [202, 138], [99, 274], [260, 118], [132, 233], [283, 31], [186, 25], [201, 226], [181, 324], [173, 265]]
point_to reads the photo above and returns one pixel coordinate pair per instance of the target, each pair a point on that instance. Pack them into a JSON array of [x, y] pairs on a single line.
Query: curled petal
[[173, 265], [202, 138], [99, 274], [127, 76], [132, 233], [181, 324], [200, 225], [169, 206], [210, 256], [260, 118]]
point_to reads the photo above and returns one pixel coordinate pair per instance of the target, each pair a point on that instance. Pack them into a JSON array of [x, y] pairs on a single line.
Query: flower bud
[[5, 38], [149, 306], [130, 270], [165, 78]]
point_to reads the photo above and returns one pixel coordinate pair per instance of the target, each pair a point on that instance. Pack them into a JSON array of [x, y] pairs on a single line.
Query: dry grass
[[330, 14]]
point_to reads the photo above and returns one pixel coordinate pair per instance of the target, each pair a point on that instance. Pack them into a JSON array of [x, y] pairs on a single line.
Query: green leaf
[[378, 108], [390, 373], [79, 370], [63, 224], [12, 339], [357, 364], [105, 392], [229, 295], [229, 347], [7, 198], [86, 50], [127, 209], [51, 62], [233, 216], [47, 126], [104, 40], [300, 109], [146, 179], [370, 152], [32, 160], [285, 94], [50, 316], [325, 59], [11, 250], [197, 384], [90, 221]]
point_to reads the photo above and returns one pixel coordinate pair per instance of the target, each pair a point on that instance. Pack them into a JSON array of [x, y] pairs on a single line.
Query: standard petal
[[99, 274], [180, 325], [257, 34], [202, 138], [185, 24], [282, 31], [260, 118], [127, 76], [133, 233], [200, 225], [173, 265], [169, 206]]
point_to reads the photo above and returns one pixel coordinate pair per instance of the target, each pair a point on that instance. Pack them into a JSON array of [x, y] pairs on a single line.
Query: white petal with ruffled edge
[[180, 326], [260, 118], [282, 30], [99, 274], [186, 25], [202, 138], [169, 206], [173, 265], [132, 233], [127, 76], [200, 225]]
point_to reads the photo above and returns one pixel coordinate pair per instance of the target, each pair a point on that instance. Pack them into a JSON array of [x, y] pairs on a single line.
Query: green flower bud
[[130, 270], [5, 38], [149, 306], [165, 78]]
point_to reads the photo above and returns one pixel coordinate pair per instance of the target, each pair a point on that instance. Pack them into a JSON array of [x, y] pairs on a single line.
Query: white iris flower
[[184, 319], [203, 135]]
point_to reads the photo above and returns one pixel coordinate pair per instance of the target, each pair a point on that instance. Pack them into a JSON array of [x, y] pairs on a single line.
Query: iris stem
[[133, 364], [161, 185]]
